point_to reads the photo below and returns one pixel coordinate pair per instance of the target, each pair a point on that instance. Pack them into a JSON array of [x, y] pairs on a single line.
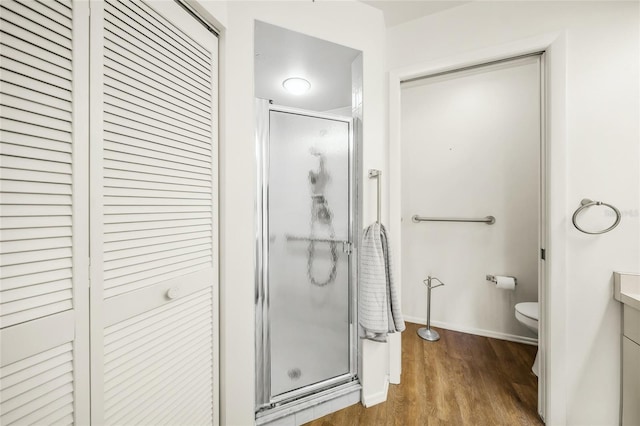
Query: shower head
[[314, 151]]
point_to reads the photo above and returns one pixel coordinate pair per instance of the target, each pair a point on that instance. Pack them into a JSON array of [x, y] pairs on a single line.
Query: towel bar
[[586, 203], [373, 173]]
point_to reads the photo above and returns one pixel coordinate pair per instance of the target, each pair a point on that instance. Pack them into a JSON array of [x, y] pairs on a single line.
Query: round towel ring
[[586, 203]]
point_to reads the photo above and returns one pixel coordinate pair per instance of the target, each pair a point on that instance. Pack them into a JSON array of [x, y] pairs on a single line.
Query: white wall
[[471, 148], [344, 111], [349, 23], [603, 162]]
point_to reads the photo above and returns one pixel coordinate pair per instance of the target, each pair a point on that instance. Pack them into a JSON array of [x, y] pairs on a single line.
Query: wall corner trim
[[377, 397]]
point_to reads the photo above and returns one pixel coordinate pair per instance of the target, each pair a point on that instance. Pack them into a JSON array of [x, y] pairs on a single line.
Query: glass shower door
[[308, 265]]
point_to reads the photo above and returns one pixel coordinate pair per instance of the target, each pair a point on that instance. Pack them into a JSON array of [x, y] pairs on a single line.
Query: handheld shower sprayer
[[318, 178], [320, 214]]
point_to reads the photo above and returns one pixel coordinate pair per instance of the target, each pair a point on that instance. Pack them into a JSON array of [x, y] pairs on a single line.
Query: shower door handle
[[347, 247]]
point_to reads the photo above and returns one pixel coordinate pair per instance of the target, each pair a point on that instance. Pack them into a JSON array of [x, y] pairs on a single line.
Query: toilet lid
[[528, 309]]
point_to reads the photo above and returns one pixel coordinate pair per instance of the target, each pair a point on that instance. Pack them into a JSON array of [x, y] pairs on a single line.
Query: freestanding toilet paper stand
[[426, 332]]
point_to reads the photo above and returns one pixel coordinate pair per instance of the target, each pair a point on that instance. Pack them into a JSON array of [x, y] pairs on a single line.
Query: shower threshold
[[313, 406]]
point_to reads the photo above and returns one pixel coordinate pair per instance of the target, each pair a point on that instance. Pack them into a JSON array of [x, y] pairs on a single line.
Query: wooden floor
[[462, 379]]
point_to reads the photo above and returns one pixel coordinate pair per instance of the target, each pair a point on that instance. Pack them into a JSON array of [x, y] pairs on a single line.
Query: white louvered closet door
[[44, 361], [154, 215]]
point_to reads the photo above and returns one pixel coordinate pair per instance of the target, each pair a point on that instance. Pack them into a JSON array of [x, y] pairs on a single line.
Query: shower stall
[[306, 340]]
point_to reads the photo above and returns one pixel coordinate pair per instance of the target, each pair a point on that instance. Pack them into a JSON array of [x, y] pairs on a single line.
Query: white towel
[[394, 300], [378, 306]]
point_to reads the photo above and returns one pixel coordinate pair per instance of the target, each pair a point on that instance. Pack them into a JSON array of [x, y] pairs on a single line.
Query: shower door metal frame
[[264, 399]]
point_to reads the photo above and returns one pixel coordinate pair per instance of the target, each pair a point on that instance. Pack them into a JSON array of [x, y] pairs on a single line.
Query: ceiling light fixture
[[296, 85]]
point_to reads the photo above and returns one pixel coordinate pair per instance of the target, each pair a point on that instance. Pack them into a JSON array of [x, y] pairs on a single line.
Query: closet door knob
[[173, 293]]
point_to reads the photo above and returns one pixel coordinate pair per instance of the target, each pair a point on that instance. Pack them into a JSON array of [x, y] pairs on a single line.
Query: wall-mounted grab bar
[[489, 220], [373, 173]]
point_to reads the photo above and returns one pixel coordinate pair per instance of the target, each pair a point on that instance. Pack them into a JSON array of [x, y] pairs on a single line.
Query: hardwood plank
[[462, 379]]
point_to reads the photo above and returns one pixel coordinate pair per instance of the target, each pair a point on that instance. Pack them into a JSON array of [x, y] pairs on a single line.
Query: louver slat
[[35, 388], [34, 176], [183, 42], [142, 214], [158, 163], [31, 12], [155, 143], [152, 178], [170, 346], [40, 64], [137, 58], [140, 77], [143, 263], [151, 153], [10, 211], [31, 80], [169, 167], [29, 50], [120, 231], [160, 232], [137, 22], [36, 162], [120, 215], [152, 242], [42, 285], [133, 164], [62, 7], [45, 9], [10, 89], [36, 107], [155, 186], [153, 329], [33, 279], [122, 117], [45, 30], [23, 153], [34, 290], [19, 115], [146, 115], [137, 98]]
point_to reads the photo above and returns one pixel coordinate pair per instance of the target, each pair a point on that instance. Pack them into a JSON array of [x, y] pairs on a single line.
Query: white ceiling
[[281, 53], [401, 11]]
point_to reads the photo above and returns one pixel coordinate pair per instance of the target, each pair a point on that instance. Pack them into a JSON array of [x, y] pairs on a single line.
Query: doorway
[[476, 148]]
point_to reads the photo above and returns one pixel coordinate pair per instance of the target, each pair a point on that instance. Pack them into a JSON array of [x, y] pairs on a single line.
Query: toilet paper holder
[[494, 280]]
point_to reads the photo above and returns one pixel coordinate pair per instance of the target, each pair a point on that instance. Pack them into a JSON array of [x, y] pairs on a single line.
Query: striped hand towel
[[378, 307]]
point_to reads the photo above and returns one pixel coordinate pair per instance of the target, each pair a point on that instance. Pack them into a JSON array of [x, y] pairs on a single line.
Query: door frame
[[553, 227], [263, 397]]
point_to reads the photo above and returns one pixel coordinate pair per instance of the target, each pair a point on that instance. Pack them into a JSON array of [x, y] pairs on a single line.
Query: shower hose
[[315, 210]]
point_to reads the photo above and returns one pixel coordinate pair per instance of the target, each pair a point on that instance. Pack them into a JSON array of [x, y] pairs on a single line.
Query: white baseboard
[[376, 398], [477, 331]]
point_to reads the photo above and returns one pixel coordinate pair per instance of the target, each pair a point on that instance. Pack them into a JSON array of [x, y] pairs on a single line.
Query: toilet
[[527, 314]]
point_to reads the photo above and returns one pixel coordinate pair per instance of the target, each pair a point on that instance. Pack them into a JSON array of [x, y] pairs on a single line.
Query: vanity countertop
[[627, 289]]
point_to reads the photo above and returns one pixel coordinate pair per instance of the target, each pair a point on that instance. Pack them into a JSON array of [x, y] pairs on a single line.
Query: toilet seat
[[527, 314], [528, 309]]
